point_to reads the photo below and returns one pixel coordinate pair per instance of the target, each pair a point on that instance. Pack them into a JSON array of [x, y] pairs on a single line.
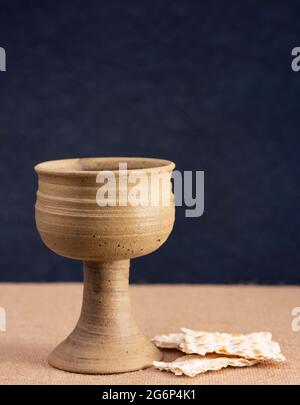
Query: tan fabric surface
[[40, 315]]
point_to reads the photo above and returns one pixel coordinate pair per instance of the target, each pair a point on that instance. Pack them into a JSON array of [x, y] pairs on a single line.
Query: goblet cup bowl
[[88, 209]]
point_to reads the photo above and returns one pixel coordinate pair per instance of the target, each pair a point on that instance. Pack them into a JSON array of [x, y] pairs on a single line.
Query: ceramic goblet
[[72, 223]]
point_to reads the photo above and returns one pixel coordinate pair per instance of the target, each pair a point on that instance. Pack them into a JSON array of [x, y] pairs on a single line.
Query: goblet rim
[[67, 167]]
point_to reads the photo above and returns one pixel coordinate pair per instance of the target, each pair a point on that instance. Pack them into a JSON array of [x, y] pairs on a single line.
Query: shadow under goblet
[[71, 222]]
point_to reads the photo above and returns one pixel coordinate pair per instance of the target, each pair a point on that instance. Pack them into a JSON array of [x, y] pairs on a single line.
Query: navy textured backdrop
[[207, 84]]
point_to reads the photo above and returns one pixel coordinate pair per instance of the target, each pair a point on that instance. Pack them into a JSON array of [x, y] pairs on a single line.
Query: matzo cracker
[[191, 365], [169, 341], [258, 346]]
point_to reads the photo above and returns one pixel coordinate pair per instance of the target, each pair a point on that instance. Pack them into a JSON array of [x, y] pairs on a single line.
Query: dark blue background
[[207, 84]]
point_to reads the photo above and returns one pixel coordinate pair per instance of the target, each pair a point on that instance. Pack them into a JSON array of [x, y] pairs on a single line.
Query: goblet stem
[[106, 304], [106, 338]]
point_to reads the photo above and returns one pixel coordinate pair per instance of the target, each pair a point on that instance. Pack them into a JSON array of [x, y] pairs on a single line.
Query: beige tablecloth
[[40, 315]]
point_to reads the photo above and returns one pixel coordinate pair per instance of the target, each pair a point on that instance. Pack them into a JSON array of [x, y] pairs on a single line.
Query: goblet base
[[106, 338]]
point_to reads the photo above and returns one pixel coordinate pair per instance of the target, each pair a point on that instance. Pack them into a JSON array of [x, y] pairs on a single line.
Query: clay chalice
[[82, 213]]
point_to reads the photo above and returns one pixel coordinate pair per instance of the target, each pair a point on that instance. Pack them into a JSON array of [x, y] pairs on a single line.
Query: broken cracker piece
[[169, 341], [191, 365], [258, 346]]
